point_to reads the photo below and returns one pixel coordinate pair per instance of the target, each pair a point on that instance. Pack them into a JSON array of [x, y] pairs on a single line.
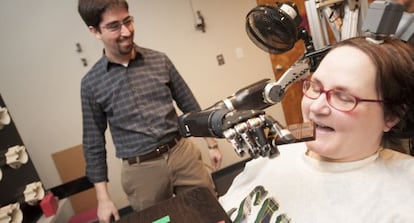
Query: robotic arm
[[240, 119], [249, 131], [212, 121]]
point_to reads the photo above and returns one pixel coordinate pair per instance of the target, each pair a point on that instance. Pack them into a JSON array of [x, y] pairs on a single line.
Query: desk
[[196, 205]]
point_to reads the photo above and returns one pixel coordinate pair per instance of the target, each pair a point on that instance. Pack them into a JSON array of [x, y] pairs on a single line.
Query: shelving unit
[[15, 179]]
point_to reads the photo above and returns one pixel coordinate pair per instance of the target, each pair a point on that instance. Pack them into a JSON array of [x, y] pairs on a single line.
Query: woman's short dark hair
[[91, 10], [394, 62]]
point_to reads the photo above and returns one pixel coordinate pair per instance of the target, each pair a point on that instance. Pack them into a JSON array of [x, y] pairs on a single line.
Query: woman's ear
[[390, 122]]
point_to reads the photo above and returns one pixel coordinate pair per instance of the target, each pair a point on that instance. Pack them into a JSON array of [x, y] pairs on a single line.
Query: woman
[[361, 99]]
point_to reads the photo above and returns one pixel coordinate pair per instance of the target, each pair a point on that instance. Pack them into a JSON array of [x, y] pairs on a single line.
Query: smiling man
[[132, 90]]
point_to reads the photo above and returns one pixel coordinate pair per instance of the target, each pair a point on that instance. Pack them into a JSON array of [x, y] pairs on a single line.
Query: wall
[[40, 69]]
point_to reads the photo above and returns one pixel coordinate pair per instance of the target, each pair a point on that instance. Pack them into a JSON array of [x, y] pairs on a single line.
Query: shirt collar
[[107, 63], [324, 166]]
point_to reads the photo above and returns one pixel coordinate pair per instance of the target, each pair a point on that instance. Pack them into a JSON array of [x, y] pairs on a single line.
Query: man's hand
[[107, 209], [213, 152], [215, 157]]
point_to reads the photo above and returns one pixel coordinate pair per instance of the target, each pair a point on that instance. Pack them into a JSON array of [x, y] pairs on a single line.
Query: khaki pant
[[152, 181]]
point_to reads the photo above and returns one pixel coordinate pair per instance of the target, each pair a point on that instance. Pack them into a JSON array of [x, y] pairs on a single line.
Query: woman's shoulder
[[392, 155], [397, 159]]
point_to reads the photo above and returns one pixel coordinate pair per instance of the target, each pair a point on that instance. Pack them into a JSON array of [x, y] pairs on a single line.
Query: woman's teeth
[[323, 127]]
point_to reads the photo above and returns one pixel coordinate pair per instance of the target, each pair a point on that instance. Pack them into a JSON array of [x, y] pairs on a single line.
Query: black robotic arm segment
[[212, 122], [207, 123], [249, 97]]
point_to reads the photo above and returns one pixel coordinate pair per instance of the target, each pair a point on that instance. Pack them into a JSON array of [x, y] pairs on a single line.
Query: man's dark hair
[[91, 10]]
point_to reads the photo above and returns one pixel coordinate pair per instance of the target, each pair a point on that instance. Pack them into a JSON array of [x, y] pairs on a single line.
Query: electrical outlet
[[220, 59]]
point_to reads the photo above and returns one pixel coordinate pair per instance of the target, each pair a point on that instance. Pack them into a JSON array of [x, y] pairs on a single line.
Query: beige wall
[[40, 69]]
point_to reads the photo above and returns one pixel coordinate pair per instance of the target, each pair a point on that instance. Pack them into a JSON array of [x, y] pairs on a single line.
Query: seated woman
[[361, 98]]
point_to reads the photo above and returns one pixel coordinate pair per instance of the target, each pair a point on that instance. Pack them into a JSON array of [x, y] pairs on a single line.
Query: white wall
[[40, 69]]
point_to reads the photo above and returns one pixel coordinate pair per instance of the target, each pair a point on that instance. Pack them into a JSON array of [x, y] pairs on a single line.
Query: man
[[132, 89]]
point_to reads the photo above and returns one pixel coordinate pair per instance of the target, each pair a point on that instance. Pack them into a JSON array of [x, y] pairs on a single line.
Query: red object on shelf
[[49, 205]]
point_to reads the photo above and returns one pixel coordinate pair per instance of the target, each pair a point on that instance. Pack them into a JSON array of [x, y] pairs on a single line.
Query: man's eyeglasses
[[116, 26], [338, 99]]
